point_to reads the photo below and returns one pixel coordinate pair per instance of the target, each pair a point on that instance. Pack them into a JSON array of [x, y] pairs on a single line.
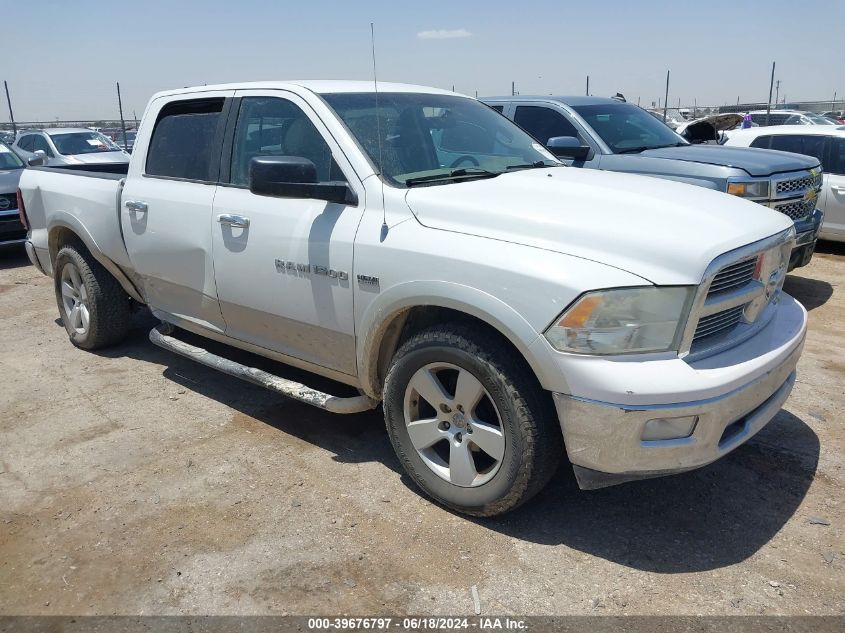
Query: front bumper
[[806, 235], [604, 440], [11, 229]]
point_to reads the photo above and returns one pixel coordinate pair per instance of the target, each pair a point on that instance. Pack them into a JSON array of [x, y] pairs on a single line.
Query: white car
[[827, 143], [789, 117], [67, 146], [426, 251]]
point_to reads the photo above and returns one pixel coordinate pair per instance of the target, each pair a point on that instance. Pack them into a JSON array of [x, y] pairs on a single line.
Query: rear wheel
[[469, 422], [94, 308]]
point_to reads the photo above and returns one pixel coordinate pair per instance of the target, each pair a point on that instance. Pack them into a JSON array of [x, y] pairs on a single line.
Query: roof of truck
[[320, 86], [571, 100]]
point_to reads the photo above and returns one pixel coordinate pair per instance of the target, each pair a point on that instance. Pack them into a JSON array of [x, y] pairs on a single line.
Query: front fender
[[399, 298]]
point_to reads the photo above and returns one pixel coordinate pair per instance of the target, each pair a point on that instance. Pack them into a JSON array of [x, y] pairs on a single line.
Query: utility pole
[[666, 99], [771, 85], [513, 88], [777, 92], [832, 103], [15, 127], [588, 85], [122, 122]]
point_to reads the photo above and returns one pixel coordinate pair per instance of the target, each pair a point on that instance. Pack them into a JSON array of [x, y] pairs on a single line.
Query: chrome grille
[[733, 276], [717, 323], [799, 184], [797, 210], [733, 303]]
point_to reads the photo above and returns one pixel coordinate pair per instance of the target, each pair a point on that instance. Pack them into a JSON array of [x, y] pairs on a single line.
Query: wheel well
[[413, 320], [62, 236]]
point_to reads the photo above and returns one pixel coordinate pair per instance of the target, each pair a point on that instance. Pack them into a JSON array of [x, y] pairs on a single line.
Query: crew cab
[[427, 254], [607, 134]]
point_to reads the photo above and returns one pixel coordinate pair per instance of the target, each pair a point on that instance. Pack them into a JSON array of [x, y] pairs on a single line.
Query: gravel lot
[[136, 482]]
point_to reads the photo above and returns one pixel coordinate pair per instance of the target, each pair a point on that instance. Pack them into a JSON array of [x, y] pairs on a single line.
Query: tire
[[511, 402], [102, 314]]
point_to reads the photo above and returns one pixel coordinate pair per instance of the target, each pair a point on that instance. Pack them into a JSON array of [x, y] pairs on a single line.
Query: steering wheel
[[466, 157]]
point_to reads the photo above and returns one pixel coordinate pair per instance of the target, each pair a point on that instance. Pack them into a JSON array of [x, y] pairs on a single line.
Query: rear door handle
[[838, 189], [233, 220], [136, 206]]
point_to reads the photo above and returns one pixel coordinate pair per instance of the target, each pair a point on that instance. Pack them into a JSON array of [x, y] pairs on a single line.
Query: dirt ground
[[136, 482]]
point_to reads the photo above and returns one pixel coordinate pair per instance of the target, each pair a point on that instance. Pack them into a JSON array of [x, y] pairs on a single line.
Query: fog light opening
[[669, 428]]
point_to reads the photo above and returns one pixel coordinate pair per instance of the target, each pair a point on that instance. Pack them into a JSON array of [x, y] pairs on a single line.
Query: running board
[[160, 335]]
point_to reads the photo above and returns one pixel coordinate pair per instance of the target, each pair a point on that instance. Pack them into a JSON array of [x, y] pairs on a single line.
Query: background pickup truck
[[600, 133], [424, 252]]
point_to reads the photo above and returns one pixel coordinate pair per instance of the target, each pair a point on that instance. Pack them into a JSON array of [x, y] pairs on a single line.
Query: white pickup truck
[[414, 244]]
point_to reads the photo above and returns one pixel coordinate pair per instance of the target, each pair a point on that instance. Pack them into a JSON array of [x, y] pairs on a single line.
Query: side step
[[160, 335]]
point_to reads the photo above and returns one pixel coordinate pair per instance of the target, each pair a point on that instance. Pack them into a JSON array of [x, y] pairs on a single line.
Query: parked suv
[[11, 167], [827, 144], [69, 146], [607, 134]]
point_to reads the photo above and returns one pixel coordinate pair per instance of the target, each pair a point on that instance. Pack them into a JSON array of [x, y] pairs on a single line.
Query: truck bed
[[83, 198]]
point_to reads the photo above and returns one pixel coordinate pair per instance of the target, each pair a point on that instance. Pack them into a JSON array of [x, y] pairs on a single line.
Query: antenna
[[384, 228]]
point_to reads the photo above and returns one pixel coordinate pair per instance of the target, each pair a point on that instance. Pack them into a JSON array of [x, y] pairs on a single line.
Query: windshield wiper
[[534, 165], [637, 150], [461, 172]]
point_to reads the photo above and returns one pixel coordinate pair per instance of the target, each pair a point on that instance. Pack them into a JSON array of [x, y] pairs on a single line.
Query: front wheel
[[469, 422]]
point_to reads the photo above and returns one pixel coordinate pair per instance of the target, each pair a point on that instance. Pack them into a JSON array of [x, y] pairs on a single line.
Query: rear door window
[[837, 157], [809, 145], [186, 140]]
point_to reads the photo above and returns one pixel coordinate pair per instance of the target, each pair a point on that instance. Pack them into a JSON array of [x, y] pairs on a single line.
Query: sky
[[63, 58]]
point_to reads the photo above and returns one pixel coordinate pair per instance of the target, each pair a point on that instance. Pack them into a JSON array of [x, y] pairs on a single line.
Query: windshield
[[72, 143], [433, 138], [626, 128], [8, 159], [820, 120]]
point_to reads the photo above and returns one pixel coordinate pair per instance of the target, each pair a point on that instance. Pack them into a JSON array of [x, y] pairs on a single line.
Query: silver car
[[68, 146]]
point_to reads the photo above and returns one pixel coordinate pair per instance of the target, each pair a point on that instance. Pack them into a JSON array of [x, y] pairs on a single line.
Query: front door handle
[[838, 189], [233, 220], [136, 206]]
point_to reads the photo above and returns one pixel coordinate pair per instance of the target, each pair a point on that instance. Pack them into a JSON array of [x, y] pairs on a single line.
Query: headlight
[[623, 321], [749, 189]]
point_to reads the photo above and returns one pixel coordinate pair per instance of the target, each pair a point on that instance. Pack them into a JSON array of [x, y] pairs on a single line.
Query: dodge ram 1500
[[505, 309]]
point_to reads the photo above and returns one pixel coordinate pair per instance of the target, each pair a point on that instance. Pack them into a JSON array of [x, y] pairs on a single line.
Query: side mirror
[[568, 147], [295, 177], [37, 159]]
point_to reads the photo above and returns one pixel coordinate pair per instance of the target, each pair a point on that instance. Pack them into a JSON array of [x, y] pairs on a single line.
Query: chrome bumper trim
[[606, 437], [33, 256]]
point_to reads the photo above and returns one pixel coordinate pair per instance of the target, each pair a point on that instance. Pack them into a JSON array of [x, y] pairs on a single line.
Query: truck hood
[[755, 162], [9, 180], [662, 231]]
